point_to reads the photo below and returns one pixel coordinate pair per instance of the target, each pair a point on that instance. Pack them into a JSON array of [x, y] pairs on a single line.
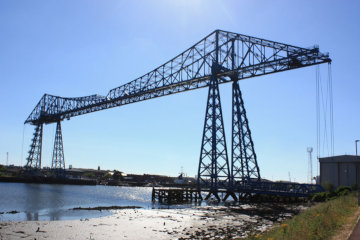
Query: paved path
[[355, 235]]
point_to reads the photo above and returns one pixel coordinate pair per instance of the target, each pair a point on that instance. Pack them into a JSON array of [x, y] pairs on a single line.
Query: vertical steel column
[[214, 169], [233, 63], [58, 161], [244, 167], [34, 158]]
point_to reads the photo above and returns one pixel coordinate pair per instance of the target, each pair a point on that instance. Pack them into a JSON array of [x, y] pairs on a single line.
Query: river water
[[55, 201]]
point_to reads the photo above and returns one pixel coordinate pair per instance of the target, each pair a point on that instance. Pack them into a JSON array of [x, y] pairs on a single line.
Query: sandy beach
[[210, 222]]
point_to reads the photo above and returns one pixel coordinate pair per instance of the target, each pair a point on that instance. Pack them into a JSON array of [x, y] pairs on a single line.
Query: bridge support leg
[[58, 161], [232, 194], [34, 158], [213, 172], [244, 167]]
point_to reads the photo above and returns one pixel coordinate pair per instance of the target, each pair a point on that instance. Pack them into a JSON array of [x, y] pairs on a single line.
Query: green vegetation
[[3, 170], [89, 175], [318, 222], [107, 176], [117, 175], [331, 194]]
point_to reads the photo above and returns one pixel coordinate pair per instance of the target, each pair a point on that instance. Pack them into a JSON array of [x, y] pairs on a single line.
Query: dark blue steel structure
[[58, 160], [220, 57], [214, 171]]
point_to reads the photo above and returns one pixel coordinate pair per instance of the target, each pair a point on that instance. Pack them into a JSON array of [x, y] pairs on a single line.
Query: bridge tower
[[244, 167], [213, 172], [58, 160], [34, 158]]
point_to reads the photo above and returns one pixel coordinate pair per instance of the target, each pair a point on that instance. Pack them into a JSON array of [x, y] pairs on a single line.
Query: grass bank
[[319, 222]]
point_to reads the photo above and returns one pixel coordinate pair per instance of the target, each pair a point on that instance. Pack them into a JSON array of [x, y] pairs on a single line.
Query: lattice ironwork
[[236, 54], [34, 158], [244, 166], [213, 172], [218, 58], [58, 159]]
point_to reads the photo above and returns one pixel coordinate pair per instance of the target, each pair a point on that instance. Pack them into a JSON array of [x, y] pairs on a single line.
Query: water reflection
[[32, 199], [44, 198], [56, 199], [52, 202], [32, 216]]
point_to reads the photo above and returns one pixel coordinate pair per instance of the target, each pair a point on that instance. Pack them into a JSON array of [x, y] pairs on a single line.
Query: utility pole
[[356, 141], [309, 150], [7, 158]]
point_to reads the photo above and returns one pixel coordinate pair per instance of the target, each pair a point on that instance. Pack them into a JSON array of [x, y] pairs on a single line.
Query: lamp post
[[356, 141]]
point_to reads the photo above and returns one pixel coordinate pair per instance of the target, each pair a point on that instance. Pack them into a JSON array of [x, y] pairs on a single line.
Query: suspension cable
[[317, 113], [324, 114], [331, 108], [324, 98]]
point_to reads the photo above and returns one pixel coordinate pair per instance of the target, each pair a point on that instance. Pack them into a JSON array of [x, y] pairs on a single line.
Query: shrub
[[326, 196], [2, 168], [117, 175], [344, 193], [320, 197], [342, 190], [331, 195]]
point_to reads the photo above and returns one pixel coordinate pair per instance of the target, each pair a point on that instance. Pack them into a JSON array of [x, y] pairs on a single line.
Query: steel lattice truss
[[237, 55], [34, 158], [58, 161], [243, 158], [218, 58], [213, 169]]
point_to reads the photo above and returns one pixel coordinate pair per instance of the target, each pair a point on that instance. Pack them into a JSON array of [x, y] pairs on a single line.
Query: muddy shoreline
[[208, 222]]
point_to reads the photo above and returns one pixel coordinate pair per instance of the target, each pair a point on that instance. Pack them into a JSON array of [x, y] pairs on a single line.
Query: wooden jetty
[[254, 192], [175, 195]]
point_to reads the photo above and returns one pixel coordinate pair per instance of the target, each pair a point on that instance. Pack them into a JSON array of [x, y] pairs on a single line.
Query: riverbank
[[334, 219], [208, 222], [86, 176], [48, 180]]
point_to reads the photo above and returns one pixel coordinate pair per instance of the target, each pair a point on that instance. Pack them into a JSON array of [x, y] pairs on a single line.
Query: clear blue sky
[[78, 48]]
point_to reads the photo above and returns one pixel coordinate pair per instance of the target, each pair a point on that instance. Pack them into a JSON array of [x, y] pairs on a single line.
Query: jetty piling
[[175, 195]]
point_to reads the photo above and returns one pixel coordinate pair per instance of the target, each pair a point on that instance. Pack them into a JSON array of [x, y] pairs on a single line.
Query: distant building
[[80, 173], [340, 170]]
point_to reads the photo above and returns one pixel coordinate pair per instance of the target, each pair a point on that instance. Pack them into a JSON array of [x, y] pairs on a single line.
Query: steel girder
[[58, 159], [236, 55], [49, 107], [34, 158]]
